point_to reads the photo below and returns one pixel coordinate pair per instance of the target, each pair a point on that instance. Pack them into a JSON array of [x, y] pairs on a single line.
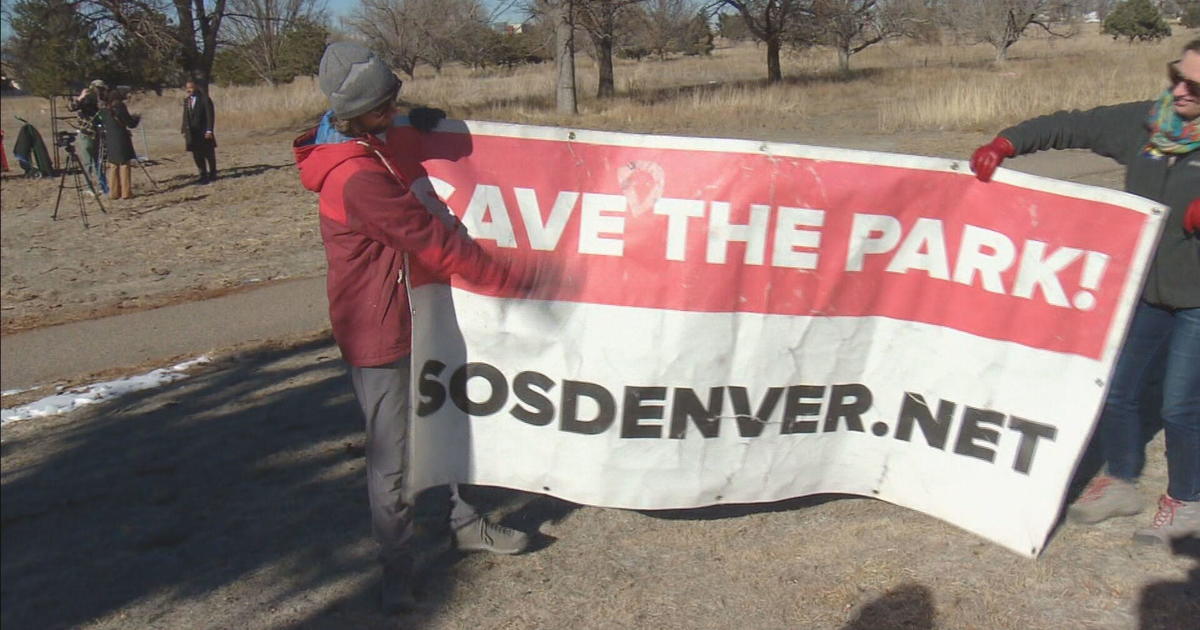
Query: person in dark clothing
[[1157, 142], [87, 107], [199, 119], [117, 121]]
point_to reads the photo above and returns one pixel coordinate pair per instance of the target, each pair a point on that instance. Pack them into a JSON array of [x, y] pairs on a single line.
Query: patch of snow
[[76, 397]]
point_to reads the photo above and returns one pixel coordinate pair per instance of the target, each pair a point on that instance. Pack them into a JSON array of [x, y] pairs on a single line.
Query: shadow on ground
[[245, 483], [906, 607], [1173, 605], [178, 182]]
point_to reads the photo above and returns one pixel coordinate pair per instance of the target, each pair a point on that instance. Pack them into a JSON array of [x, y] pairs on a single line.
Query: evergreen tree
[[297, 53], [1136, 20], [697, 36], [733, 26], [301, 50], [52, 50], [130, 60], [230, 68]]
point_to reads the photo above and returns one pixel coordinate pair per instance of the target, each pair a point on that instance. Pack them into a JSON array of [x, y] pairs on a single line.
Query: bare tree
[[600, 19], [560, 18], [562, 14], [770, 21], [385, 26], [258, 29], [409, 32], [665, 22], [1002, 23], [451, 30], [194, 29], [851, 26]]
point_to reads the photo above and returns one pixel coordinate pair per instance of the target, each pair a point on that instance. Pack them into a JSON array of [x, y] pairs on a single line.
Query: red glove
[[1191, 220], [986, 158]]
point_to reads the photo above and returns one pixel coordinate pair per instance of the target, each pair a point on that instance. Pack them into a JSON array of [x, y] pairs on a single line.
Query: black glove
[[425, 119]]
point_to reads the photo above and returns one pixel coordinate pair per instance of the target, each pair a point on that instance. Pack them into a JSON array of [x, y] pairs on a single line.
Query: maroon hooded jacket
[[369, 221]]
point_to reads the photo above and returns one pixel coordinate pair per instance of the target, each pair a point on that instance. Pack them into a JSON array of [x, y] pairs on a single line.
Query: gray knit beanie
[[354, 79]]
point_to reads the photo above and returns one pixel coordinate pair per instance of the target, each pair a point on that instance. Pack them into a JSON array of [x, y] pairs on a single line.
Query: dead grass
[[894, 88]]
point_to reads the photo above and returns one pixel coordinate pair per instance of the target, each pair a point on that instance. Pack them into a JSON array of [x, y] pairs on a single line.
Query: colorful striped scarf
[[1170, 134]]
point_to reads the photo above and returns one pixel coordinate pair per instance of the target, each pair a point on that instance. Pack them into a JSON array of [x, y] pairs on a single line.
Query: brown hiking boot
[[1103, 498], [1174, 519]]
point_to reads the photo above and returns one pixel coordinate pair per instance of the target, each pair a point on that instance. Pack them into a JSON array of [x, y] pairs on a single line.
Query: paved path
[[274, 311], [281, 310]]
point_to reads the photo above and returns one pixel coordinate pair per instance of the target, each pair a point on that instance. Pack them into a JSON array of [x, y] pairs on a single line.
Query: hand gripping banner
[[739, 321]]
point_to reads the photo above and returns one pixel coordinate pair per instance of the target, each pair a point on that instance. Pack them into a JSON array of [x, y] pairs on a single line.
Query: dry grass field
[[893, 88], [235, 499]]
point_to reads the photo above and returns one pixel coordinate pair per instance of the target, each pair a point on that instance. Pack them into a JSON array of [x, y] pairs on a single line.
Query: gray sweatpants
[[384, 396]]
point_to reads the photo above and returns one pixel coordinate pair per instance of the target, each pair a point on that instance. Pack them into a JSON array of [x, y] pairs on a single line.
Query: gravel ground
[[236, 499]]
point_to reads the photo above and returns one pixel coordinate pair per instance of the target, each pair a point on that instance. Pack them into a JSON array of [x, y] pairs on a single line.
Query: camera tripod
[[73, 161], [146, 171]]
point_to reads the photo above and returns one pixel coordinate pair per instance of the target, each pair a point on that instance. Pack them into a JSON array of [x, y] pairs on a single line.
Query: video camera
[[65, 140]]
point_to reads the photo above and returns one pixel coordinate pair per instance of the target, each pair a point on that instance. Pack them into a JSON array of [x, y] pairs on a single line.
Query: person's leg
[[1179, 509], [461, 512], [383, 395], [1119, 430], [198, 158], [1181, 407], [87, 153], [125, 172], [90, 157], [115, 189], [211, 156]]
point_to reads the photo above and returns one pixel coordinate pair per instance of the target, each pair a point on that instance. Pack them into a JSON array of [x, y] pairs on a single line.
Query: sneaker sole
[[495, 550], [1082, 519], [1148, 539]]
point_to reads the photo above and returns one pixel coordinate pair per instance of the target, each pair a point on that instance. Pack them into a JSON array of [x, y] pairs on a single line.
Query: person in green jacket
[[1157, 142]]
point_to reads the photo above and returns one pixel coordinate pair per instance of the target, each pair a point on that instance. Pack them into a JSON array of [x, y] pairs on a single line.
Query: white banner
[[748, 322]]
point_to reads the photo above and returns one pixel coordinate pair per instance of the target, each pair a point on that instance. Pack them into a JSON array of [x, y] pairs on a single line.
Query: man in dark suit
[[197, 129]]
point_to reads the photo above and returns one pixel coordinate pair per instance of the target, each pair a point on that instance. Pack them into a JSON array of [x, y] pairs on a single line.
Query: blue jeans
[[1167, 342]]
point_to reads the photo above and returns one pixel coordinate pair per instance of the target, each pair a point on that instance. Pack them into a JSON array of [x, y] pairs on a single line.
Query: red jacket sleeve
[[386, 211]]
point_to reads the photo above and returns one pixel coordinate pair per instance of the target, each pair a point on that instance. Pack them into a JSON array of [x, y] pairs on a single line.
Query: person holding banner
[[373, 226], [1157, 142]]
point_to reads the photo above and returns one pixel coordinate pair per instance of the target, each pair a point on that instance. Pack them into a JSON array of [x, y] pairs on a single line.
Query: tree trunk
[[1002, 53], [844, 60], [774, 74], [606, 86], [564, 44]]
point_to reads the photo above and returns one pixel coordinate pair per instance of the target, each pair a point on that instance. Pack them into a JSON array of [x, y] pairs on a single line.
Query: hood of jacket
[[317, 161]]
